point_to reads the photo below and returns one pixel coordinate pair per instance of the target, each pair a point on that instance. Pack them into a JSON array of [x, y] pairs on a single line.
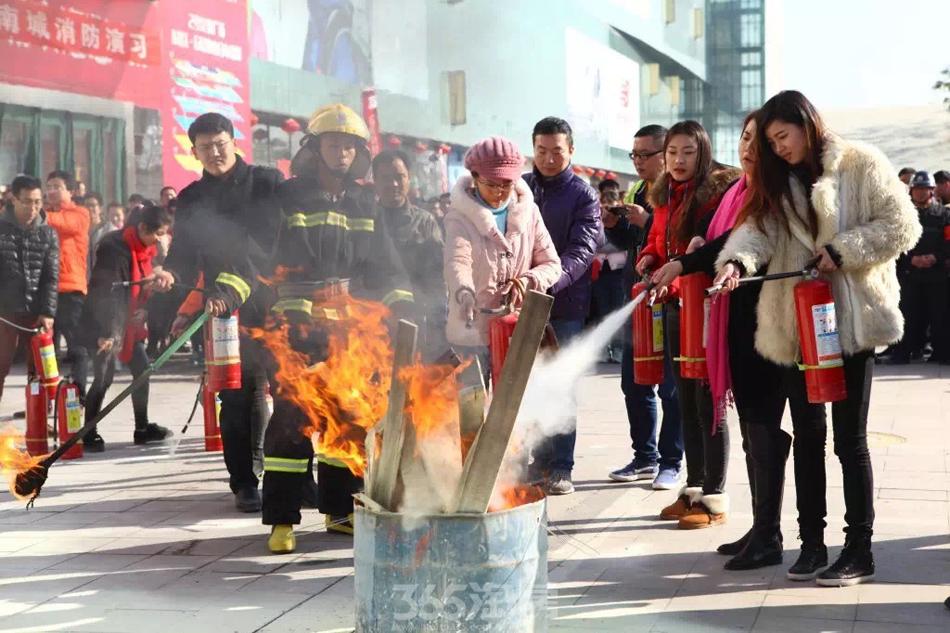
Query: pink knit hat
[[496, 158]]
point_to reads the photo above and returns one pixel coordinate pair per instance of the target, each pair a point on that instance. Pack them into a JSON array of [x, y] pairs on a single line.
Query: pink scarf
[[717, 352]]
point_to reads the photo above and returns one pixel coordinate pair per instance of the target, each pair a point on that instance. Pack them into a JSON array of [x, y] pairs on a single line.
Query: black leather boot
[[812, 559], [769, 448], [733, 548], [854, 566]]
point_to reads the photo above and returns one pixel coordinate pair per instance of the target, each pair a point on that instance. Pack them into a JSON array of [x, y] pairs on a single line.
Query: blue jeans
[[557, 452], [642, 413]]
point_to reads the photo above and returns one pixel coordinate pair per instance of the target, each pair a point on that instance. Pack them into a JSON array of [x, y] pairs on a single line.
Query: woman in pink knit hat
[[496, 243]]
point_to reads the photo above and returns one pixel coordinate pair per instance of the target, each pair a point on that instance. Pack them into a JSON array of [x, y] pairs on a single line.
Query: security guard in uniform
[[331, 233]]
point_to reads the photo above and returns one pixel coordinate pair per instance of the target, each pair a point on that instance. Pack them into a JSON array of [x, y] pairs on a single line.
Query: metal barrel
[[451, 572]]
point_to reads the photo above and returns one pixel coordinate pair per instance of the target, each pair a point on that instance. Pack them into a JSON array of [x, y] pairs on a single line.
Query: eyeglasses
[[492, 186], [220, 146], [643, 155]]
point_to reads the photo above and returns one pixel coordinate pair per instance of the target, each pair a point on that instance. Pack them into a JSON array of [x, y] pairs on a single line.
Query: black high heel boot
[[770, 448]]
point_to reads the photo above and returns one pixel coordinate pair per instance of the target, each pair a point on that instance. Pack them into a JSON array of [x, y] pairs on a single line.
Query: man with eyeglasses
[[652, 460], [226, 228], [571, 212]]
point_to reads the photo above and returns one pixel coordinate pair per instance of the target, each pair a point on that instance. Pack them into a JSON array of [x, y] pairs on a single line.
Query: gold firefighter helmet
[[333, 118]]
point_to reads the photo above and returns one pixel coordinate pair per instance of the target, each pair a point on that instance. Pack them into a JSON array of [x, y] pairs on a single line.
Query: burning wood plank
[[386, 472], [487, 454]]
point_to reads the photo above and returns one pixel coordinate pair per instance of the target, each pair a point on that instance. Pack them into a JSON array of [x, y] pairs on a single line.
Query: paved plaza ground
[[143, 539]]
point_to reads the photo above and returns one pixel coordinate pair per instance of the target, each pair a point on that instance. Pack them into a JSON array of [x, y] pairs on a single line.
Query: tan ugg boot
[[708, 511], [681, 506]]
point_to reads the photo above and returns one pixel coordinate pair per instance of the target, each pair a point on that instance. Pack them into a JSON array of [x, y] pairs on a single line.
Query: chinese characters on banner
[[205, 70], [104, 49], [69, 30], [180, 57]]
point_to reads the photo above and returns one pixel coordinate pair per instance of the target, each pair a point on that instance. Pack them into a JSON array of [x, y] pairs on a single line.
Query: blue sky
[[864, 53]]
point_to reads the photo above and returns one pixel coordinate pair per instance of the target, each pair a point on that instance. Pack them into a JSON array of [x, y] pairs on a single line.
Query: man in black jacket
[[227, 225], [923, 277], [652, 460], [29, 269]]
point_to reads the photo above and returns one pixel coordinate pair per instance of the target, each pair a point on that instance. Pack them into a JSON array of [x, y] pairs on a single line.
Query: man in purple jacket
[[571, 211]]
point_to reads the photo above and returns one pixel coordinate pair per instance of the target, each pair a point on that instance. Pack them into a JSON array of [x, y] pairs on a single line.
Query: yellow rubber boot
[[282, 540], [341, 524]]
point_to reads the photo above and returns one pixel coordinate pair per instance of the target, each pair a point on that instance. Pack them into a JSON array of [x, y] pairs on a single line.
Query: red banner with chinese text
[[94, 47], [205, 70]]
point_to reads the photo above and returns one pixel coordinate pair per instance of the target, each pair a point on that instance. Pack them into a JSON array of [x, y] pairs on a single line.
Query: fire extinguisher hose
[[29, 483], [810, 271], [28, 330], [194, 407]]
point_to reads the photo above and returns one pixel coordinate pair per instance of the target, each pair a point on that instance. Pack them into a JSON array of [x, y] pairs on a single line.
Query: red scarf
[[142, 256]]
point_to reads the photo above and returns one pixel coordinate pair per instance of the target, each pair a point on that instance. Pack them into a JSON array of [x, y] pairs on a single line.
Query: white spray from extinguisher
[[550, 396]]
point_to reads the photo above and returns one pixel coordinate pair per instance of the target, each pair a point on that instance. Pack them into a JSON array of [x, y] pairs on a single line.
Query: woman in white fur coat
[[817, 195]]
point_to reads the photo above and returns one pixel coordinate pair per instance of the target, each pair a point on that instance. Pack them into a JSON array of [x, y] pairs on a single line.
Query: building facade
[[108, 89]]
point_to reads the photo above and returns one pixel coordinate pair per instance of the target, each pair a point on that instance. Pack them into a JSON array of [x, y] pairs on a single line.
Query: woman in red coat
[[684, 199]]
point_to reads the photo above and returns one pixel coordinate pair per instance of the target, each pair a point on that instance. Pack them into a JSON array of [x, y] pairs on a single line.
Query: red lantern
[[445, 148], [589, 171], [254, 120], [612, 175], [290, 126], [600, 173], [578, 169], [394, 141], [421, 147]]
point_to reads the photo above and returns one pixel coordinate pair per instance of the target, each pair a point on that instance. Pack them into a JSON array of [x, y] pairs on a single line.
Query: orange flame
[[346, 394], [13, 459], [431, 396], [514, 496]]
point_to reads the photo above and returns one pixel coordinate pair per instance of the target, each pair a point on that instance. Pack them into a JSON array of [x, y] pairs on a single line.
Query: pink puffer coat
[[479, 257]]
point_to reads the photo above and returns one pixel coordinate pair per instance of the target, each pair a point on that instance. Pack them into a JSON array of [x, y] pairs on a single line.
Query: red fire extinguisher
[[69, 417], [44, 361], [821, 346], [36, 406], [211, 404], [694, 325], [223, 353], [647, 340], [500, 330]]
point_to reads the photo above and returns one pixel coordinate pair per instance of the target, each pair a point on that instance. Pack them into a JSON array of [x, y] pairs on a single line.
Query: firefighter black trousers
[[244, 418], [288, 465]]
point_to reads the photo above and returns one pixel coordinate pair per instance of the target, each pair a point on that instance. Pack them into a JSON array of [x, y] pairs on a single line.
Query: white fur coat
[[865, 214]]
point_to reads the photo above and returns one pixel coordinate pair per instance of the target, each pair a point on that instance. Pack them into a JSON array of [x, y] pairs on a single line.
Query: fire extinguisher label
[[224, 334], [826, 334], [657, 311], [48, 356], [73, 416], [34, 388]]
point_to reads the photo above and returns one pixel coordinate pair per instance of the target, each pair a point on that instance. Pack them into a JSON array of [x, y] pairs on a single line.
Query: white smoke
[[549, 404]]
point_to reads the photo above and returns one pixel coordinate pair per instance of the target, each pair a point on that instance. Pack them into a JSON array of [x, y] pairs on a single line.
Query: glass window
[[13, 145], [82, 156], [50, 147], [751, 59], [751, 30], [110, 187]]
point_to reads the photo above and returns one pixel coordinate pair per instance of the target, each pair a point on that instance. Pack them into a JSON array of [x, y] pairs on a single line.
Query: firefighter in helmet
[[331, 232]]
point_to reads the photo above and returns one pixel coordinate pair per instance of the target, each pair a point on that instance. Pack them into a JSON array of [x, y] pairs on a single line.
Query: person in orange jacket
[[71, 223]]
